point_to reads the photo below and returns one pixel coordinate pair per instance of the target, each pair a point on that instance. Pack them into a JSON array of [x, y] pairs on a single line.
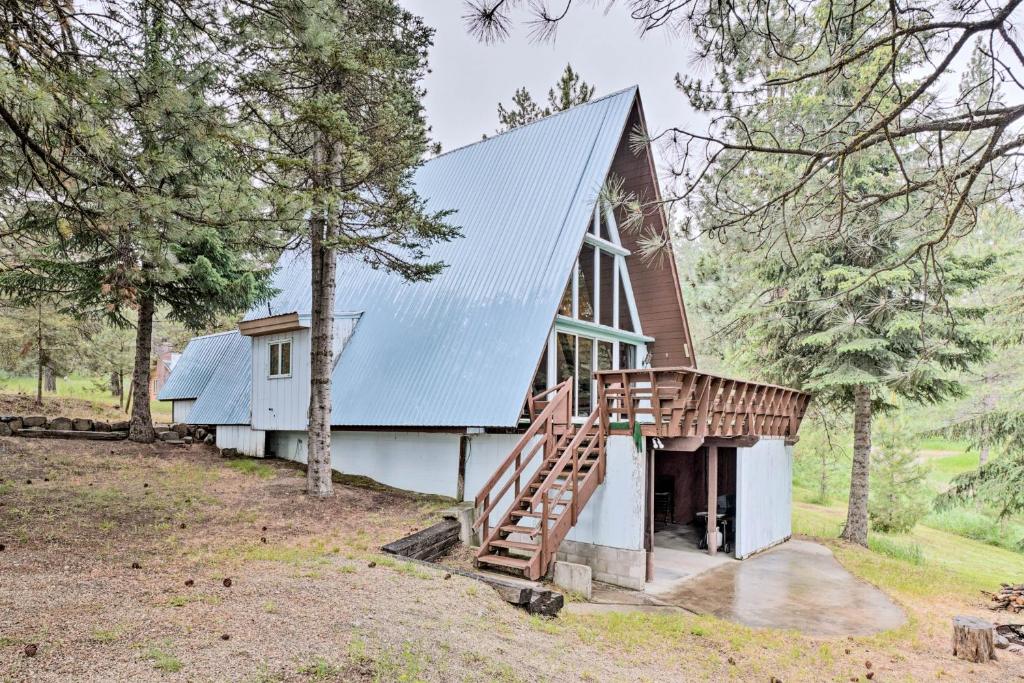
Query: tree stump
[[972, 639]]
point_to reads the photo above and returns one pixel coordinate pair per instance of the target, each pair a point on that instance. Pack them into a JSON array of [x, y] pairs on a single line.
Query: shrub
[[899, 495]]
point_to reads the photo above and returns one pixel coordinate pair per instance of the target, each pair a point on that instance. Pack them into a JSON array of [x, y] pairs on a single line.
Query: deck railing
[[683, 402]]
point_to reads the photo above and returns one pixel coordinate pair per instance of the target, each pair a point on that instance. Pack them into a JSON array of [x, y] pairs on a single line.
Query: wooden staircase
[[543, 505]]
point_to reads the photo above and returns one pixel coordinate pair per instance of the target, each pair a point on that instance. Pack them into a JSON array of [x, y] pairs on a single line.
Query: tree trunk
[[141, 428], [987, 404], [973, 639], [823, 483], [318, 463], [40, 356], [856, 530]]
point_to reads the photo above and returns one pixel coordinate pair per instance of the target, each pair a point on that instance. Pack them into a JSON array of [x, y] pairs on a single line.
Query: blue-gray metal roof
[[461, 350], [225, 400], [196, 366]]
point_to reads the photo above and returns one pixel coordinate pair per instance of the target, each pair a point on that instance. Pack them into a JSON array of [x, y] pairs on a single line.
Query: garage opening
[[680, 486], [680, 506]]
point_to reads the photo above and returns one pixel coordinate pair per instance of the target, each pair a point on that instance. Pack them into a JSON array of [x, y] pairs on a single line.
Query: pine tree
[[568, 92], [39, 337], [999, 483], [334, 87], [138, 198], [898, 498], [846, 312]]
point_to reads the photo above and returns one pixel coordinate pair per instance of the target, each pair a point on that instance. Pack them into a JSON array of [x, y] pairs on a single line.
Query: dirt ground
[[56, 406], [116, 560]]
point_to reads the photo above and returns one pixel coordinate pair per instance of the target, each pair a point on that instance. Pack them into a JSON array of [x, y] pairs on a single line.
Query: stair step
[[535, 515], [505, 561], [518, 545], [516, 529]]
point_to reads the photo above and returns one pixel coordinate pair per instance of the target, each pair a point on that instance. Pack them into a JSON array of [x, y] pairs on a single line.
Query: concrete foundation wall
[[764, 492], [617, 566], [243, 439]]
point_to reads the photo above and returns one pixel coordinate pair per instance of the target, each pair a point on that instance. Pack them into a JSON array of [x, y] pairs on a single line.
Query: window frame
[[270, 357]]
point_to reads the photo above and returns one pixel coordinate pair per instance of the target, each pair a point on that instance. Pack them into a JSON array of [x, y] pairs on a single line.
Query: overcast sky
[[470, 78]]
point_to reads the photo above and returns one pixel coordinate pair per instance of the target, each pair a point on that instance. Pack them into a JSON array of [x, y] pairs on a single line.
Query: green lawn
[[922, 562]]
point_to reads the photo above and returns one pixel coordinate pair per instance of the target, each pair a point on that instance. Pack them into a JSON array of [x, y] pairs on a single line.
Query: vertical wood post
[[712, 500], [460, 485], [649, 526]]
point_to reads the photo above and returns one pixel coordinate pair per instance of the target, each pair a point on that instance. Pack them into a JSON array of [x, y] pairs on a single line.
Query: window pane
[[565, 308], [625, 321], [586, 283], [275, 359], [540, 380], [585, 375], [604, 355], [286, 358], [627, 356], [607, 288], [566, 360]]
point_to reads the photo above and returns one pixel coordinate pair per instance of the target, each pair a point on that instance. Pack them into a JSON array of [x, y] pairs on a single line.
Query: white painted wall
[[243, 439], [181, 409], [424, 462], [764, 492], [615, 514], [281, 403]]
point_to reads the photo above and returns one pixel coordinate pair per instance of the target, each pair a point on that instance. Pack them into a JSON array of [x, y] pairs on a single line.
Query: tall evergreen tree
[[134, 197], [568, 92], [335, 87], [842, 310], [39, 338]]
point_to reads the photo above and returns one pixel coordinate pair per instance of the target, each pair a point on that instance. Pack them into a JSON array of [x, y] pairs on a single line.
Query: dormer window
[[280, 358]]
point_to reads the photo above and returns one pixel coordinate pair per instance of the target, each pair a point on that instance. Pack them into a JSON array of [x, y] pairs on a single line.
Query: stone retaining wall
[[13, 425]]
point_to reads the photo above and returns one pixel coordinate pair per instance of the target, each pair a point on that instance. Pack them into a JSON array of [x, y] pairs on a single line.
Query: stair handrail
[[561, 401], [570, 453], [581, 433]]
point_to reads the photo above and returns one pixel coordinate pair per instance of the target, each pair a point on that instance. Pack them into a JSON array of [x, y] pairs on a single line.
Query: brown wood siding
[[286, 322], [655, 284]]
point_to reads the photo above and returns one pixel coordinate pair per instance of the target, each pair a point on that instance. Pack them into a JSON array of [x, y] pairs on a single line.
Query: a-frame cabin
[[547, 374]]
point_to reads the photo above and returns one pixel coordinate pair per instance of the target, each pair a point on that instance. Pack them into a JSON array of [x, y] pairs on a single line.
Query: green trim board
[[596, 330]]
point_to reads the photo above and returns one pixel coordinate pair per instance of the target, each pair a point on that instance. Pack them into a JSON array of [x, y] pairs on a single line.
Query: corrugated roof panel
[[196, 366], [225, 400], [461, 349]]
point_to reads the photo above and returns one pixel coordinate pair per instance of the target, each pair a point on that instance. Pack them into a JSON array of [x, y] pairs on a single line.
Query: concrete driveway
[[797, 585]]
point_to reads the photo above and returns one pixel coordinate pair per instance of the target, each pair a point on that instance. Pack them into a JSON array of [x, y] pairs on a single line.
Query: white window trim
[[279, 342]]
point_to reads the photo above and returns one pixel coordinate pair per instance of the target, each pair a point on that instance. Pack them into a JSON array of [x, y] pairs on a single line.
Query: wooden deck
[[684, 402]]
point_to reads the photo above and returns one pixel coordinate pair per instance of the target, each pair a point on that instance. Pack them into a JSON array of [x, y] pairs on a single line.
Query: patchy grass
[[162, 660], [105, 636], [307, 605], [76, 396], [896, 548], [250, 466], [321, 669]]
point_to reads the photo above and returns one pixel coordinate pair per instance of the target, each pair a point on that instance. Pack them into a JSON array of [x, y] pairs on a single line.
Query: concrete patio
[[798, 585]]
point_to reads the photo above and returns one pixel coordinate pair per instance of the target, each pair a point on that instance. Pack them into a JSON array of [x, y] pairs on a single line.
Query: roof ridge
[[531, 123], [213, 334]]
